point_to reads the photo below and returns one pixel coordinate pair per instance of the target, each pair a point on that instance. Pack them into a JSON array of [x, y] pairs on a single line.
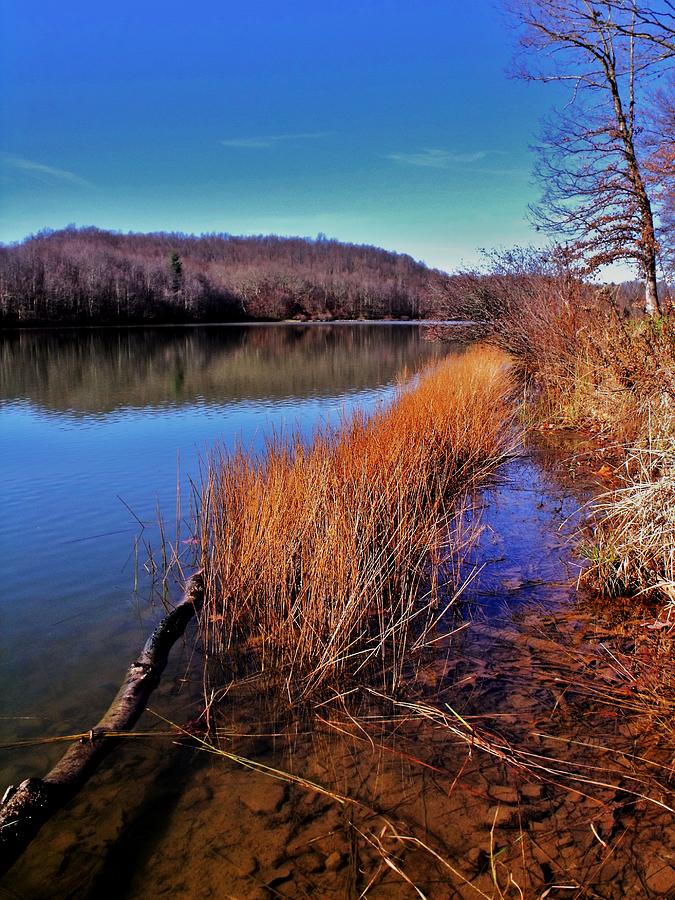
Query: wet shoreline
[[534, 677]]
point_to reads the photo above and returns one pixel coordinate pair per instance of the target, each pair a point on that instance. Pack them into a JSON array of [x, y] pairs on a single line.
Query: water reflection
[[93, 371], [96, 423], [159, 819]]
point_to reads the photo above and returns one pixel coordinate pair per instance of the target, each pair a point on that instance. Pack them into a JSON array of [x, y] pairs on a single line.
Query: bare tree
[[654, 23], [661, 172], [592, 156]]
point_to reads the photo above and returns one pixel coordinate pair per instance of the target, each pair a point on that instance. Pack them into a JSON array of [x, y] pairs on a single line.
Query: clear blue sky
[[389, 122]]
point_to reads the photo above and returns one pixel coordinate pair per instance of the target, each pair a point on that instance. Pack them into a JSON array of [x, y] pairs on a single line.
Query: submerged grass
[[325, 559]]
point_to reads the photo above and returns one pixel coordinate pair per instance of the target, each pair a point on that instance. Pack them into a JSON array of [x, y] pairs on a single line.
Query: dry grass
[[634, 537], [590, 367], [324, 560], [587, 366], [617, 377], [621, 378]]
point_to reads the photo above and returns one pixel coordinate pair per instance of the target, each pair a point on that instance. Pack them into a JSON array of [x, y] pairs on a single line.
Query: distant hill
[[91, 276]]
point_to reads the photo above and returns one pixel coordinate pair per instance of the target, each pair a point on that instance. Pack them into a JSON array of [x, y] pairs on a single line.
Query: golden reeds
[[326, 557]]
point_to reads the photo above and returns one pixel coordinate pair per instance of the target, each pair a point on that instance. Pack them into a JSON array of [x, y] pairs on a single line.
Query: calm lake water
[[96, 429]]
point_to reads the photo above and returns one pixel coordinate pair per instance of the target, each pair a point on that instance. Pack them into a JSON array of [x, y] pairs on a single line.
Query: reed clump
[[633, 547], [326, 559]]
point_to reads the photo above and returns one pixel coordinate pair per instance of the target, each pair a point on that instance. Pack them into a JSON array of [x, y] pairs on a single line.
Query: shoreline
[[5, 329]]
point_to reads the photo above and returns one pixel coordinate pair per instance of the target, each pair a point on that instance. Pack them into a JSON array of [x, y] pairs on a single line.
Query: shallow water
[[97, 426], [500, 791]]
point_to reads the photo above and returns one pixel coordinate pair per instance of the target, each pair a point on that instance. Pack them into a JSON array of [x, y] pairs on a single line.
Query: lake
[[97, 429], [507, 761]]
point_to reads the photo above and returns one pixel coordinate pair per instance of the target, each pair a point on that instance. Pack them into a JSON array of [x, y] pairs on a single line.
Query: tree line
[[92, 276]]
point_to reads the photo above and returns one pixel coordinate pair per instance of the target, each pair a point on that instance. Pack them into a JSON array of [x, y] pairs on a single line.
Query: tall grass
[[634, 537], [327, 559], [589, 366]]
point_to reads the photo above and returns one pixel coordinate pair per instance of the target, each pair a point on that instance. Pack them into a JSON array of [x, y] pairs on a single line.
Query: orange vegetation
[[329, 558]]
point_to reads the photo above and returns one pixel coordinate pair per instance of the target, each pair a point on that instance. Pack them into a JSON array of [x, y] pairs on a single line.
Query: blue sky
[[378, 121]]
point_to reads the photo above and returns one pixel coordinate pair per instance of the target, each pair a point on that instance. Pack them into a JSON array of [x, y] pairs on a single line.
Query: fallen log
[[25, 809]]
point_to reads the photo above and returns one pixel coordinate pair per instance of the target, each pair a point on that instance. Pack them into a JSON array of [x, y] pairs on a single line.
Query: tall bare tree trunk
[[626, 131], [652, 304]]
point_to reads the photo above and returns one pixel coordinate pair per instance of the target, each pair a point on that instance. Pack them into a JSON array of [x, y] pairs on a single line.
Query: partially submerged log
[[25, 809]]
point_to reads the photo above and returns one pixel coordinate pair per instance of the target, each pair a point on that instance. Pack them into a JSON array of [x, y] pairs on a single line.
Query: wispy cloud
[[271, 140], [40, 171], [436, 158]]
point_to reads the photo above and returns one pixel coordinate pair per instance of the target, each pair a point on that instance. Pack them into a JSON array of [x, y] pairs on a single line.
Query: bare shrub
[[587, 361]]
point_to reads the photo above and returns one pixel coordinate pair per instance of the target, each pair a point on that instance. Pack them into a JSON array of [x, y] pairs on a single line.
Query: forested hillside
[[87, 275]]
